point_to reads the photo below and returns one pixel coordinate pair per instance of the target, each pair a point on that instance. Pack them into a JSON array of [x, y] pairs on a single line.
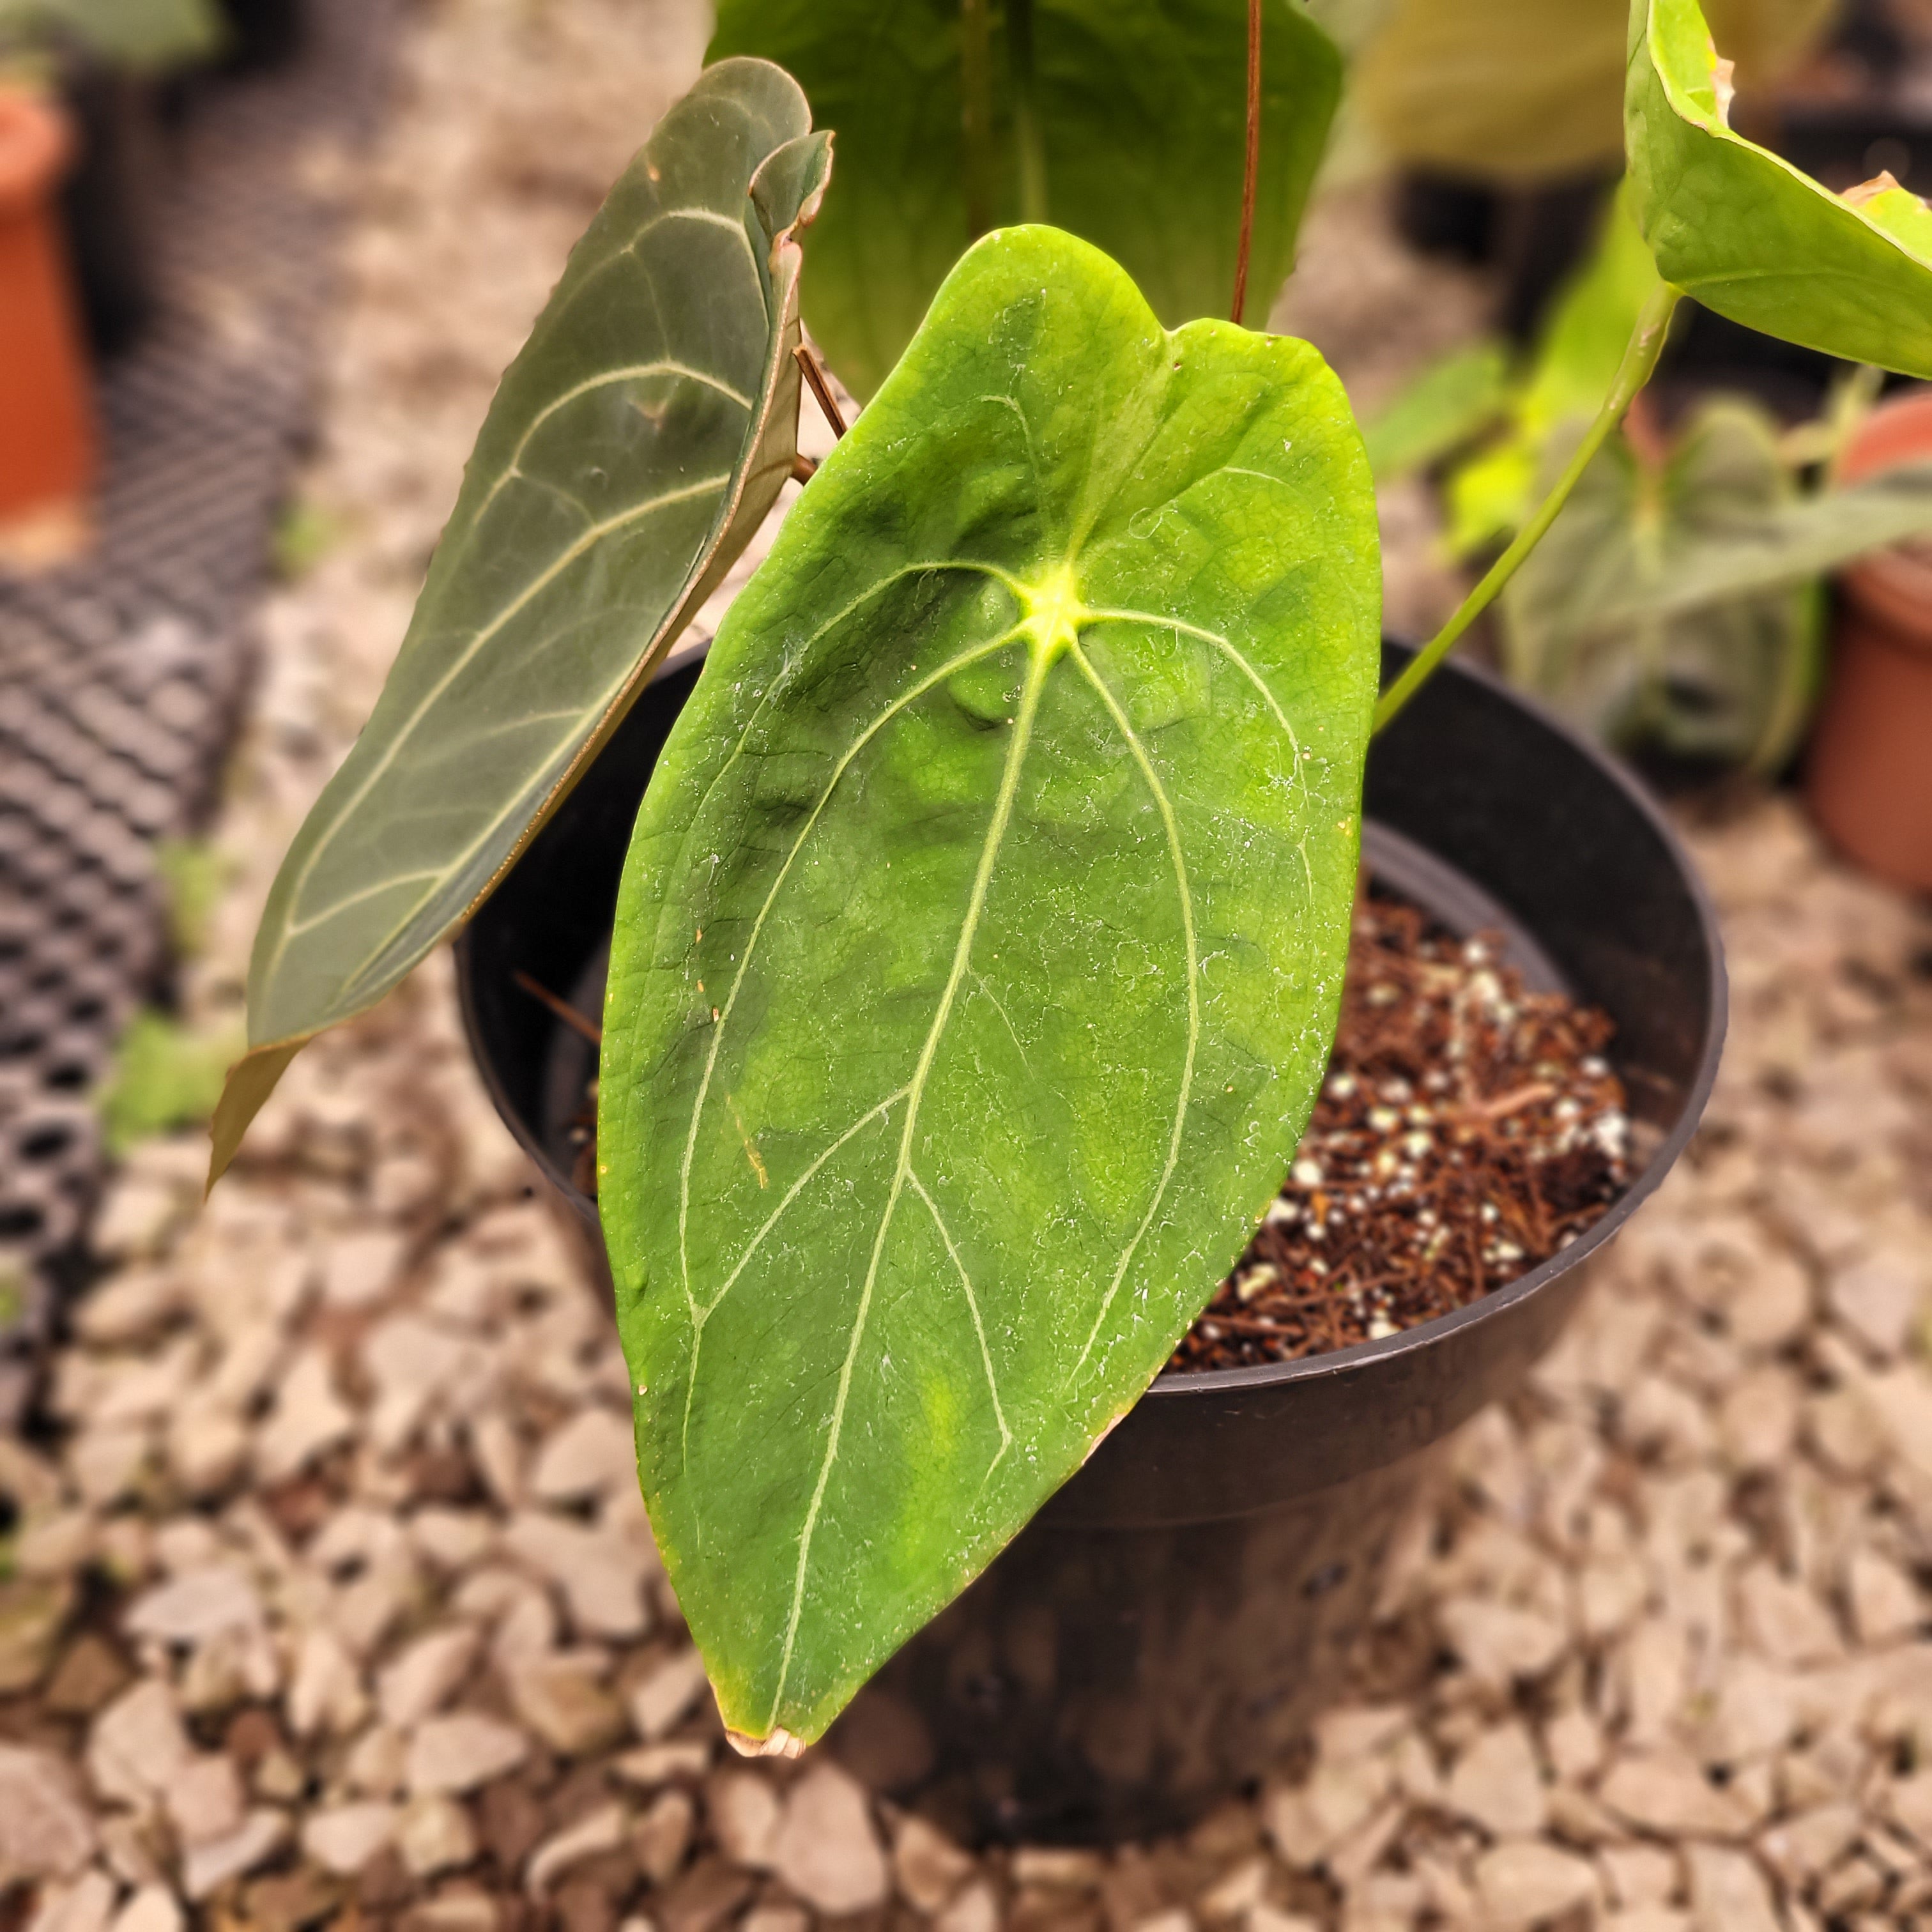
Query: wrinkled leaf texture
[[1750, 236], [978, 952], [635, 445], [1142, 109]]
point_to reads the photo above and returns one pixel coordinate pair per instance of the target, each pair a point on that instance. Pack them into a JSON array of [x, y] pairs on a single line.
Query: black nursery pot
[[1173, 1618]]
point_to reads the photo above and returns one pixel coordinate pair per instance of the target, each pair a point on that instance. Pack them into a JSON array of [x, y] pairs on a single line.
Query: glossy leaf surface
[[978, 952], [635, 445], [1132, 109], [1749, 235]]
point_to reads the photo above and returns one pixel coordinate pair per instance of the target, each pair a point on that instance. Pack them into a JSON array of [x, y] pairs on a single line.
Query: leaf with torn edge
[[1122, 120], [1746, 233], [978, 951], [636, 443]]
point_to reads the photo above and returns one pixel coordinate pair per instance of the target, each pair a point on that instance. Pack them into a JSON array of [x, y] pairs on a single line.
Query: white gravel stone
[[1525, 1880], [153, 1908], [1783, 1621], [594, 1452], [1728, 1892], [344, 1838], [457, 1753], [45, 1831], [1885, 1604], [205, 1800], [602, 1830], [426, 1676], [207, 1868], [357, 1270], [825, 1851], [308, 1418], [138, 1745], [663, 1835], [929, 1867], [661, 1699], [377, 1765], [1497, 1783], [976, 1909], [196, 1606], [434, 1834], [1666, 1794], [1498, 1643], [601, 1577], [1878, 1299], [745, 1809], [85, 1905], [561, 1699], [325, 1690]]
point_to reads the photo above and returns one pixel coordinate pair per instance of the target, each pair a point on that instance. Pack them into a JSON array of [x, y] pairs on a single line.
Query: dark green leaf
[[1139, 107], [978, 951], [636, 443], [1746, 233]]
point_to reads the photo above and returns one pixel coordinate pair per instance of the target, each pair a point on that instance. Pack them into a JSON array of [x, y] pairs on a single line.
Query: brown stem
[[1251, 170], [820, 388], [563, 1009], [803, 468]]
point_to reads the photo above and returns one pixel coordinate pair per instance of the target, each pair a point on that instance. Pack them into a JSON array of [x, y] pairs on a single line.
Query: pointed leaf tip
[[250, 1081]]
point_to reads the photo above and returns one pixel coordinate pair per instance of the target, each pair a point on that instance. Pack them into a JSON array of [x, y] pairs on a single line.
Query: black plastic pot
[[1171, 1621]]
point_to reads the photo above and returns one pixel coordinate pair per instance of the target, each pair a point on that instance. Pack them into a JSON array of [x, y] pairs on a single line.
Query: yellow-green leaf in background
[[635, 444], [1520, 91]]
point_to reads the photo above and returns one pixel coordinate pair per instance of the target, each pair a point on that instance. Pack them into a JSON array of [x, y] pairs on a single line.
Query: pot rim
[[1171, 1384]]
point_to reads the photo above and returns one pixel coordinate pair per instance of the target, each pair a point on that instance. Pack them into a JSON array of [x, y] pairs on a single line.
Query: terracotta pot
[[1869, 778], [46, 427]]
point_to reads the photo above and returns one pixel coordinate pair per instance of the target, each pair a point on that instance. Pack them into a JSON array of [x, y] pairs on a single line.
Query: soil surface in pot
[[1468, 1129]]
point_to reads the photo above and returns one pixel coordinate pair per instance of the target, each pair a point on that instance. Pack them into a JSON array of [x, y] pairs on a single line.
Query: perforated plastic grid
[[121, 676]]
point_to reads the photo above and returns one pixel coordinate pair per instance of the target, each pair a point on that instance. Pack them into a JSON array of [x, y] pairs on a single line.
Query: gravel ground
[[333, 1602]]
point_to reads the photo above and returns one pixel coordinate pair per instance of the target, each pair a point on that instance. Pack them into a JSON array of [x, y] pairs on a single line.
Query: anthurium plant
[[979, 950]]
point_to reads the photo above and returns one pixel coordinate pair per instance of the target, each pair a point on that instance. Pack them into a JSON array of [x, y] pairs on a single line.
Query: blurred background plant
[[147, 37]]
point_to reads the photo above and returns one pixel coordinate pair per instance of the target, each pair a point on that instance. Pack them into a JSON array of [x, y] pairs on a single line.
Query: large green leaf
[[978, 951], [1677, 604], [1749, 235], [1134, 132], [636, 443]]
